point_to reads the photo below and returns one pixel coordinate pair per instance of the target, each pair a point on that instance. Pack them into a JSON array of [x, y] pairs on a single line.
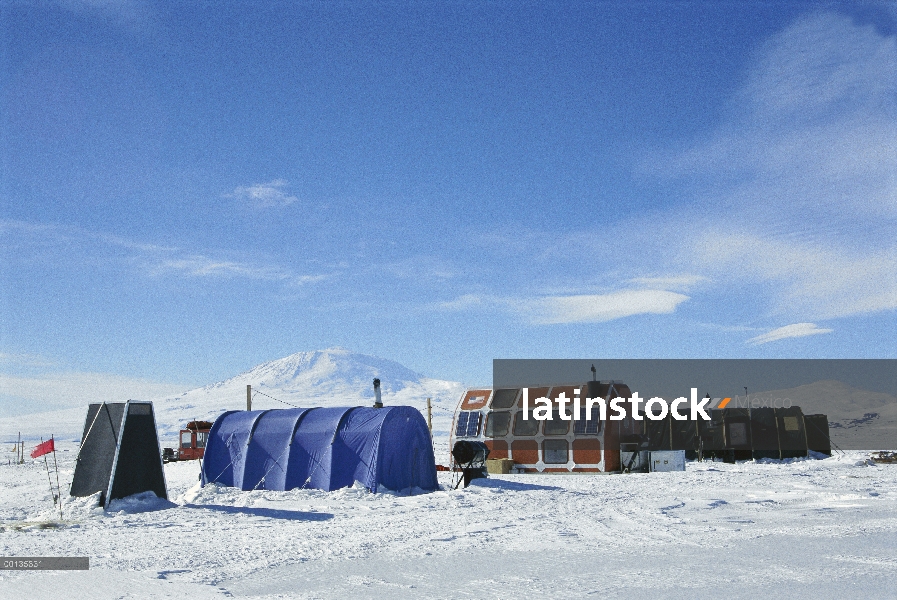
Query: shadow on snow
[[270, 513], [504, 484]]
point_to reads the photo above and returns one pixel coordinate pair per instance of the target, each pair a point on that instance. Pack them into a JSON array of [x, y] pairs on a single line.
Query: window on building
[[555, 425], [186, 439], [497, 424], [468, 423], [791, 423], [201, 437], [504, 398], [738, 434], [554, 452], [631, 426], [529, 426]]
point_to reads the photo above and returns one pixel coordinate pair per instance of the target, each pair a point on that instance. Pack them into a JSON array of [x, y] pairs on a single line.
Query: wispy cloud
[[465, 302], [204, 266], [155, 260], [813, 128], [788, 331], [574, 308], [728, 328], [806, 278], [674, 282], [265, 195], [596, 308], [418, 267], [793, 212], [804, 73], [795, 192]]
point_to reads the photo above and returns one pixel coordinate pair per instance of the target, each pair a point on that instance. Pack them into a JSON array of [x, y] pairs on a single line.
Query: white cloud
[[678, 282], [728, 328], [573, 308], [418, 268], [204, 266], [805, 278], [299, 280], [265, 195], [814, 131], [797, 191], [788, 331], [54, 243], [820, 66], [596, 308], [464, 302]]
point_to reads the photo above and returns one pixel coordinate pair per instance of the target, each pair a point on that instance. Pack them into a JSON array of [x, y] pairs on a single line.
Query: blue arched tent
[[321, 448]]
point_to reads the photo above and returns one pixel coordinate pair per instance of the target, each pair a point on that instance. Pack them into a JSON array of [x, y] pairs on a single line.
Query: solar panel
[[588, 427], [468, 423], [461, 426]]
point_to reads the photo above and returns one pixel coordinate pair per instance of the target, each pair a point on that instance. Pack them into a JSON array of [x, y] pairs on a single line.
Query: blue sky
[[190, 189]]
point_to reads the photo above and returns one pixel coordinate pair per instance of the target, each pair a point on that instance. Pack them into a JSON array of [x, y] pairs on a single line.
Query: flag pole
[[58, 489], [49, 480]]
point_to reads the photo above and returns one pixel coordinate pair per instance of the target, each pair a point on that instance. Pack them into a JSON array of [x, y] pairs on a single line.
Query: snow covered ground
[[804, 529], [799, 529]]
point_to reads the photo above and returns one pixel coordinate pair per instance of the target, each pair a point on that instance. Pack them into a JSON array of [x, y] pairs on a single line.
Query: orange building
[[495, 417]]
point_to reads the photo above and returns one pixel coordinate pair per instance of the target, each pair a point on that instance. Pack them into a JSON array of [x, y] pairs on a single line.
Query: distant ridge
[[858, 419], [836, 399]]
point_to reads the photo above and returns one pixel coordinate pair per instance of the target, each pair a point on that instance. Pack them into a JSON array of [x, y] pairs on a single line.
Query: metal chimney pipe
[[593, 389], [377, 402]]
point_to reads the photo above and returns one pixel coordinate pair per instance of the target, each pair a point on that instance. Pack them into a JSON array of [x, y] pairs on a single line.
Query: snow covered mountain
[[335, 374], [331, 377]]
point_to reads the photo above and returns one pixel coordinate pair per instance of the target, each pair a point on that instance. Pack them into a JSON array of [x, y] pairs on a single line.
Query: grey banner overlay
[[44, 563], [859, 396]]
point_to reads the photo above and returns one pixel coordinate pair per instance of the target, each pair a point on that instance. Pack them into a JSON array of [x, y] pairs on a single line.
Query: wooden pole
[[430, 417], [56, 466], [248, 397], [49, 481]]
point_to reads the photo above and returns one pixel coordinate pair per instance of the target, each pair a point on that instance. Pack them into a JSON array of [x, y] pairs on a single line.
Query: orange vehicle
[[191, 442]]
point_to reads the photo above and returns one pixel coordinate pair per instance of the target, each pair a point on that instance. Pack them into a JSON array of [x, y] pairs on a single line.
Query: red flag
[[42, 449]]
